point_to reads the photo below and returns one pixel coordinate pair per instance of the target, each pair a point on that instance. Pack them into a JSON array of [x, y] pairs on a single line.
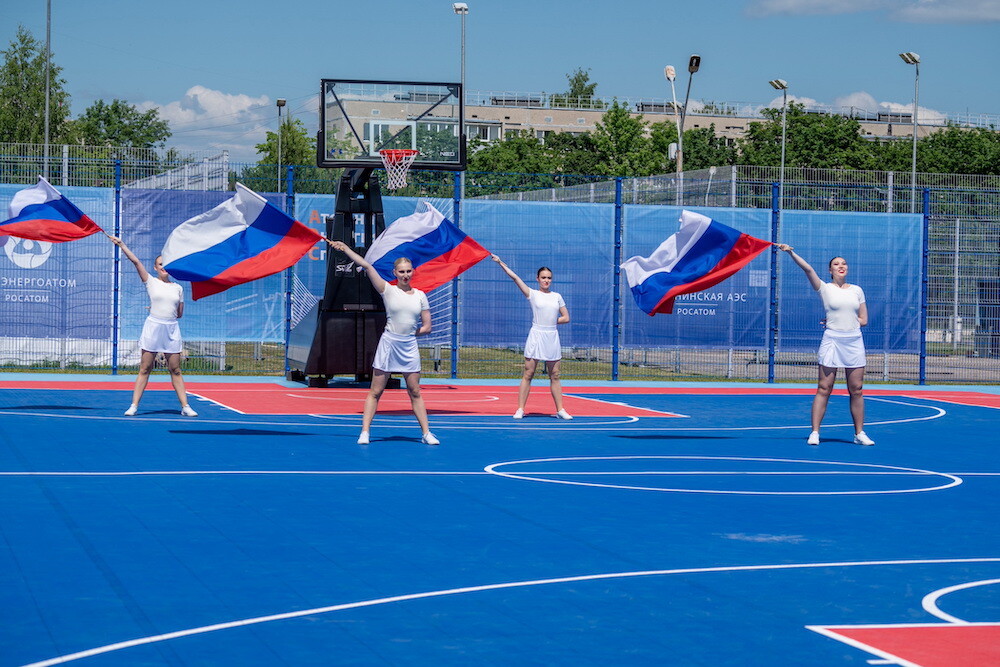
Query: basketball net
[[397, 163]]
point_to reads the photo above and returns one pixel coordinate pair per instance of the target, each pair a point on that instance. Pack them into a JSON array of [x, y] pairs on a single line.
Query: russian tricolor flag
[[701, 254], [438, 249], [242, 239], [40, 213]]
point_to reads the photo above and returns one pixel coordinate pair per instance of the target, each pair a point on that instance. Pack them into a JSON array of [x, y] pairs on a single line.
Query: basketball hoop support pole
[[349, 320]]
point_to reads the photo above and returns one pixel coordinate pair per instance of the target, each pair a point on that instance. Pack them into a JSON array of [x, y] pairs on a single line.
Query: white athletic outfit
[[160, 332], [397, 350], [543, 339], [842, 345]]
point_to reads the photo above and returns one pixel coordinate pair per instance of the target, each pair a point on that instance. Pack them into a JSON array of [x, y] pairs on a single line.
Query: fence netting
[[80, 305]]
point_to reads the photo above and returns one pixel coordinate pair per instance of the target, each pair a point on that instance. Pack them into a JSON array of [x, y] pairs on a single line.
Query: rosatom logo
[[25, 253]]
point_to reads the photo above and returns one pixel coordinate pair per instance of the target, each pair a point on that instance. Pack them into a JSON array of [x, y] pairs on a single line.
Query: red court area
[[264, 398], [938, 645], [439, 399]]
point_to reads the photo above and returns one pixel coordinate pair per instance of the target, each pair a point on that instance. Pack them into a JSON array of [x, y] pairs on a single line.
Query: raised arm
[[377, 282], [513, 276], [810, 272], [143, 274]]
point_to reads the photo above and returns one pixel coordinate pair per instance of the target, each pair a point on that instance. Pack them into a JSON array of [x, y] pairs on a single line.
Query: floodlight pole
[[48, 76], [782, 85], [462, 9], [280, 103], [694, 62], [671, 74], [911, 58]]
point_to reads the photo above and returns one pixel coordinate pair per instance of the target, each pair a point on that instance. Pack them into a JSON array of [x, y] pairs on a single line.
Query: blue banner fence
[[927, 277]]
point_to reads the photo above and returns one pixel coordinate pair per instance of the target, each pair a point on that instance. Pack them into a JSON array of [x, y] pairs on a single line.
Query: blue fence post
[[924, 254], [289, 272], [457, 208], [773, 329], [616, 313], [115, 324]]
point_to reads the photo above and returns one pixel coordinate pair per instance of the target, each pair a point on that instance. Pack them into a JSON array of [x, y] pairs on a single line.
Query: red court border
[[923, 644]]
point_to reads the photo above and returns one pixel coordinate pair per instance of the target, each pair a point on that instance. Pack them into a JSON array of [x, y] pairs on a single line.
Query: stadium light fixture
[[911, 58], [782, 85]]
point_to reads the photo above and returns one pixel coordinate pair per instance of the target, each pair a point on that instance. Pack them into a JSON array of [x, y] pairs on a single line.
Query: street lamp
[[911, 58], [462, 9], [694, 63], [671, 74], [280, 103], [782, 85]]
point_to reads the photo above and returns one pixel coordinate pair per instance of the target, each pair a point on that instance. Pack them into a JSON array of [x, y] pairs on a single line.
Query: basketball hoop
[[397, 162]]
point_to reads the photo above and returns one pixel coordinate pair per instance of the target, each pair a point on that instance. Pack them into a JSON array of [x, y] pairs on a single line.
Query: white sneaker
[[188, 411], [429, 439], [562, 414], [813, 438], [131, 410], [862, 439], [519, 414], [364, 438]]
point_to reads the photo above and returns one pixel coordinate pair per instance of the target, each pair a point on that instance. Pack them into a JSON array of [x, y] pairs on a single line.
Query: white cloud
[[207, 120], [949, 11], [796, 7], [909, 11], [862, 101]]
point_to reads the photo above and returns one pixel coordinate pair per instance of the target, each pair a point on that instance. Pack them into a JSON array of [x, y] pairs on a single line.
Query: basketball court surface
[[686, 525]]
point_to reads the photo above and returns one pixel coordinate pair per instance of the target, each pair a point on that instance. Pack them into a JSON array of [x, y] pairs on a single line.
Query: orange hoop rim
[[396, 155]]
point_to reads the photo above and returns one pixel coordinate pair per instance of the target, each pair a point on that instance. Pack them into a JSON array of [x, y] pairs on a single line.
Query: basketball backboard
[[359, 118]]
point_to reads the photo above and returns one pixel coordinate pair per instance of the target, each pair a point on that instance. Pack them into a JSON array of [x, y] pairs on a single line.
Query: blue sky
[[213, 68]]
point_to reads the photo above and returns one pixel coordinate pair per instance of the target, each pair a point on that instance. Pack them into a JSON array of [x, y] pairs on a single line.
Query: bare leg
[[416, 400], [379, 380], [855, 382], [555, 384], [176, 379], [142, 379], [529, 373], [824, 388]]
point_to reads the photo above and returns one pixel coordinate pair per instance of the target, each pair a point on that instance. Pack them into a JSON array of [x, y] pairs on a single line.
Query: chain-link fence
[[944, 330]]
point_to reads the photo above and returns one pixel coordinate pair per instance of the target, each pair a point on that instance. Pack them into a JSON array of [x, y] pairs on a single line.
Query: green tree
[[812, 140], [580, 94], [622, 145], [118, 124], [957, 150], [703, 149], [573, 154], [22, 93]]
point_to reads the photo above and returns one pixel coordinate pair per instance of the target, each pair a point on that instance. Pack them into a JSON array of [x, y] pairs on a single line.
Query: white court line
[[526, 475], [930, 600], [439, 425], [487, 587], [221, 405], [153, 473], [626, 405]]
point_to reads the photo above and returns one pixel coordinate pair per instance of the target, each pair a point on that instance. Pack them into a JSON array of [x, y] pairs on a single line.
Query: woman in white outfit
[[548, 310], [408, 315], [160, 332], [842, 345]]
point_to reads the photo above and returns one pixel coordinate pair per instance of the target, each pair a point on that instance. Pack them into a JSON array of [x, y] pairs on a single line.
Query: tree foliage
[[581, 93], [811, 140], [22, 93], [622, 145], [118, 124]]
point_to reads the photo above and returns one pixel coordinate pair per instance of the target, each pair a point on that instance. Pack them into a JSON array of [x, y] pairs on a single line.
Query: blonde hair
[[400, 260]]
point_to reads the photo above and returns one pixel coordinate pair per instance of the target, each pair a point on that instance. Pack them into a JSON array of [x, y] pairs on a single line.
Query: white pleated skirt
[[842, 349], [397, 354], [543, 344], [159, 335]]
